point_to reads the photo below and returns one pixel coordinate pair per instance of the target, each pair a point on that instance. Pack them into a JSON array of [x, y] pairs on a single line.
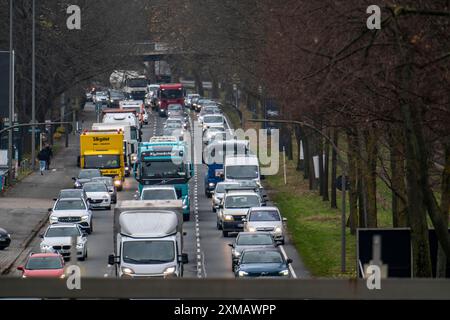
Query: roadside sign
[[339, 183]]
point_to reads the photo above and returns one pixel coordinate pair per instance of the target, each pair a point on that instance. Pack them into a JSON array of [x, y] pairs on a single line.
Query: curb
[[25, 245]]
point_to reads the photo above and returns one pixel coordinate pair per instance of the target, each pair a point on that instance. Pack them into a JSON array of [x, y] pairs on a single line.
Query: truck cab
[[170, 94], [104, 150], [148, 240], [163, 161], [242, 168]]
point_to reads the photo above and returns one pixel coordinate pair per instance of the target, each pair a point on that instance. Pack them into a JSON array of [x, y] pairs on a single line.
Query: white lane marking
[[291, 269]]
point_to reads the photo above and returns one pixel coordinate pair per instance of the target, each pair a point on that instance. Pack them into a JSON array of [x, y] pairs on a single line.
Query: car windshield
[[75, 193], [271, 215], [117, 95], [103, 161], [220, 187], [242, 172], [254, 239], [174, 107], [173, 124], [73, 204], [100, 93], [261, 257], [136, 83], [95, 187], [44, 263], [213, 119], [106, 180], [148, 252], [159, 169], [242, 201], [89, 174], [132, 108], [63, 232], [161, 194], [171, 93]]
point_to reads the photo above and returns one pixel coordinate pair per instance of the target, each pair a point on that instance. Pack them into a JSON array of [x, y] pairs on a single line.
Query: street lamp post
[[11, 92], [344, 173], [33, 91]]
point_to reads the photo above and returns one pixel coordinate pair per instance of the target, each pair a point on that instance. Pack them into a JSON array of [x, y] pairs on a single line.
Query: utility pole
[[33, 91], [11, 92]]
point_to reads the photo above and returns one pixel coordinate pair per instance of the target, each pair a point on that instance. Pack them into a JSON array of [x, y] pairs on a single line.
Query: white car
[[72, 210], [213, 120], [233, 210], [145, 116], [267, 219], [158, 193], [58, 238], [219, 192], [98, 194]]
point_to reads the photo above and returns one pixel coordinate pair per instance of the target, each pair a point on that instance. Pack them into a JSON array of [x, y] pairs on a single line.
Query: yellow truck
[[104, 150]]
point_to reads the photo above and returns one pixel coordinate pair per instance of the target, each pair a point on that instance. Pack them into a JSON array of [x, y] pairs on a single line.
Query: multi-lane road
[[208, 251]]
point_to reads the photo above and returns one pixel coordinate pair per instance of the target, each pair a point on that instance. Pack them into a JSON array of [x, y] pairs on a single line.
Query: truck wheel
[[186, 217], [225, 234], [91, 228], [219, 226], [208, 195]]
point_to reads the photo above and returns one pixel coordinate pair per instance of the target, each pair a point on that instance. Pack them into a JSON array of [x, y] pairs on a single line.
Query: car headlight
[[24, 276], [117, 183], [45, 247], [169, 271], [236, 253], [252, 229], [127, 168], [84, 218], [278, 230], [80, 245], [242, 273], [77, 184], [53, 219], [228, 217], [284, 273], [133, 157], [105, 197], [62, 276], [211, 184], [127, 271]]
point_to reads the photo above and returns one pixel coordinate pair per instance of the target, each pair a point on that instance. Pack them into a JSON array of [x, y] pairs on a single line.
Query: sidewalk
[[23, 208]]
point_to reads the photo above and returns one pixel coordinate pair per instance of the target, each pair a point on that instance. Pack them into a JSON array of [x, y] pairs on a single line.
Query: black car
[[85, 175], [5, 239], [114, 98], [250, 240], [262, 263]]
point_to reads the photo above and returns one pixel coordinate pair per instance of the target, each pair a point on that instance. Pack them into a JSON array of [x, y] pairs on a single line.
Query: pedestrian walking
[[48, 149], [42, 157]]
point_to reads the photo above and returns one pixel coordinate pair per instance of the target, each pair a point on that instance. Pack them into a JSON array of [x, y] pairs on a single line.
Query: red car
[[48, 265]]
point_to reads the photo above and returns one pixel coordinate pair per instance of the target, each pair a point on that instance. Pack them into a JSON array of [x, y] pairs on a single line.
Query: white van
[[242, 168]]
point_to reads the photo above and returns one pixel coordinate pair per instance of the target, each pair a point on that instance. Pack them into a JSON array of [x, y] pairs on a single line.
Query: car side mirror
[[289, 261], [262, 177], [231, 245], [244, 219], [74, 179], [49, 209], [21, 268], [222, 176], [111, 259], [284, 219], [183, 258], [220, 206], [88, 199], [54, 199], [41, 236]]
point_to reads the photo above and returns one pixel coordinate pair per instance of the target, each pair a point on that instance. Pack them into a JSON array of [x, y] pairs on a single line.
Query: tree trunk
[[361, 199], [368, 161], [352, 176], [298, 137], [326, 170], [397, 161], [321, 172], [306, 153], [334, 170], [443, 259]]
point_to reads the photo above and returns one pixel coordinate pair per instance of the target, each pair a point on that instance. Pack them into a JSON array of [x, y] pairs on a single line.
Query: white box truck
[[148, 239]]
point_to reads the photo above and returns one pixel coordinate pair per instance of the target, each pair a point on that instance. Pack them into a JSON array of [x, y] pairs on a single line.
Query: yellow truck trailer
[[104, 150]]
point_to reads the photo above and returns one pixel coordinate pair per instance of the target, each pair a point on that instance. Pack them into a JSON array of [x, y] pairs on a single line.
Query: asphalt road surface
[[208, 251]]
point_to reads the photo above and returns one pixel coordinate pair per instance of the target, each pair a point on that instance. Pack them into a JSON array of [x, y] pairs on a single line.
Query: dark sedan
[[256, 263], [85, 175], [250, 240], [5, 239]]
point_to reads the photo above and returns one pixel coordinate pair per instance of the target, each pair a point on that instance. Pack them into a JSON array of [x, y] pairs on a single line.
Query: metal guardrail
[[214, 289]]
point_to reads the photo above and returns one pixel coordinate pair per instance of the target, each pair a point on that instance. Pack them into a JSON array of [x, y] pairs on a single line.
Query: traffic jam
[[147, 230]]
